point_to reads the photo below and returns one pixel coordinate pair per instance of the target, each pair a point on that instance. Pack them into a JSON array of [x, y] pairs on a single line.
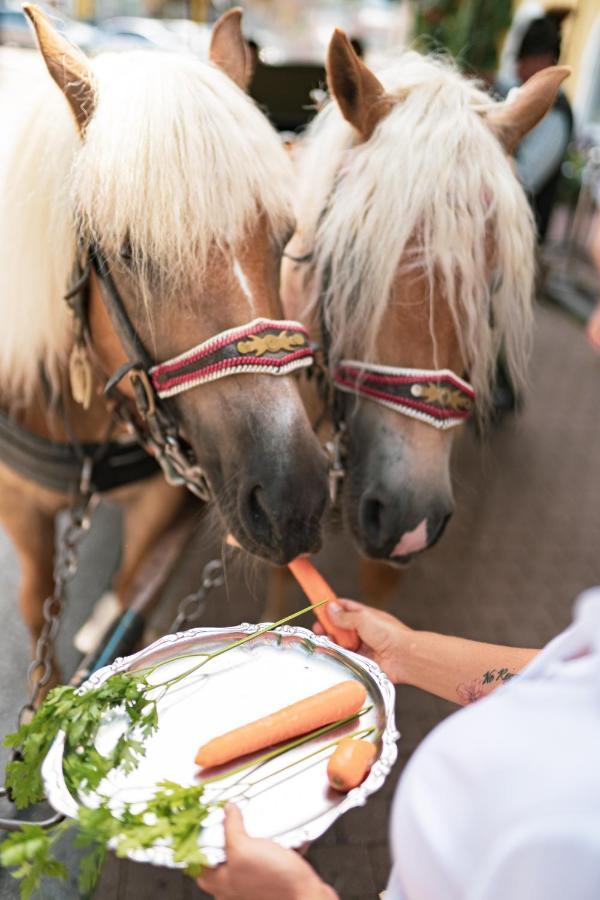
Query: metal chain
[[66, 562], [41, 668], [192, 605]]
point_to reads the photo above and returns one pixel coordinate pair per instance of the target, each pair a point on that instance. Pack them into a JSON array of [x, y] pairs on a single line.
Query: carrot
[[316, 589], [328, 706], [349, 763]]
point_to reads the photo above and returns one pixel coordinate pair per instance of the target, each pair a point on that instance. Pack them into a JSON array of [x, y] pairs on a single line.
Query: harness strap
[[438, 397], [57, 466]]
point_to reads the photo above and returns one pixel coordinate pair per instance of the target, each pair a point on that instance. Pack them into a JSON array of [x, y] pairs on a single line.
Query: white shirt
[[502, 800]]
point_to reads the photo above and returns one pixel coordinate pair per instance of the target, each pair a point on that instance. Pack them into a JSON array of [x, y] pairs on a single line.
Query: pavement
[[522, 544]]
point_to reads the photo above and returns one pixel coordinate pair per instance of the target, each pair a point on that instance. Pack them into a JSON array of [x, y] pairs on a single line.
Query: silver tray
[[278, 668]]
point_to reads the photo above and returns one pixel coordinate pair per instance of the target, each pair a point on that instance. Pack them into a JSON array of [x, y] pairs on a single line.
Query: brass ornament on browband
[[271, 343], [438, 397]]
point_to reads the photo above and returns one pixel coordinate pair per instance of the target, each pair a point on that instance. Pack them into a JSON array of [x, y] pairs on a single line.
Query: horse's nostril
[[257, 506], [372, 511]]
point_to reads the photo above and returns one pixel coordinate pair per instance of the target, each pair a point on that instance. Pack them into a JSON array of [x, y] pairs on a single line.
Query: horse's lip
[[407, 558], [273, 555]]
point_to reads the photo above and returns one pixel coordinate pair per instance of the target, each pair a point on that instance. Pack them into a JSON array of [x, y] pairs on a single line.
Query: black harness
[[267, 346], [58, 466]]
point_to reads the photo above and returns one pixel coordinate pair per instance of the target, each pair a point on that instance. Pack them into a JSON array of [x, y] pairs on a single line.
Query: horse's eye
[[288, 235], [126, 252]]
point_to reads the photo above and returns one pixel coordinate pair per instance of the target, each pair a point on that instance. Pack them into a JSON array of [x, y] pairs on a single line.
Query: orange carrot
[[328, 706], [349, 764], [316, 589]]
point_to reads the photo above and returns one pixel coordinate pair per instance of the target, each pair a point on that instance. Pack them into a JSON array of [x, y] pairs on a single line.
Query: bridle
[[435, 396], [438, 397], [268, 346]]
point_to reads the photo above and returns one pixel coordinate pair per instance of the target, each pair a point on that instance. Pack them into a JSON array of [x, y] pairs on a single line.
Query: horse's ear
[[360, 95], [67, 65], [229, 50], [511, 121]]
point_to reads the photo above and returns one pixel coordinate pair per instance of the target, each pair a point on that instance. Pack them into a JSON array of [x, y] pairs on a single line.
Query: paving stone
[[347, 869]]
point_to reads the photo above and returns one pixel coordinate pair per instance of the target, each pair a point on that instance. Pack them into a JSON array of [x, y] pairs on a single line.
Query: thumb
[[345, 613], [234, 826]]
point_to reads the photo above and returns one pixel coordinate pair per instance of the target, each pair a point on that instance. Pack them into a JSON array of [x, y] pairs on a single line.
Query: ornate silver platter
[[278, 668]]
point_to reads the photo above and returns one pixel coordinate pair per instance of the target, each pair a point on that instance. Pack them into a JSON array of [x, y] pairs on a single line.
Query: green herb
[[29, 852], [174, 813]]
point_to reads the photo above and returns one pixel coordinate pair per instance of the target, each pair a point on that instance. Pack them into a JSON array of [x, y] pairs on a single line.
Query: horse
[[413, 265], [151, 191]]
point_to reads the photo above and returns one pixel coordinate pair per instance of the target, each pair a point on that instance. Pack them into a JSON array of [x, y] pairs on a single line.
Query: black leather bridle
[[264, 345]]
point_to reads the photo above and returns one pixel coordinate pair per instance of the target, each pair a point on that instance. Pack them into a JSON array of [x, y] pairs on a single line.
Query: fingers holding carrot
[[382, 637], [317, 589]]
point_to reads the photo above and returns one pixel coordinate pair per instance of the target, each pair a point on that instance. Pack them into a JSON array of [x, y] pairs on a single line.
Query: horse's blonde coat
[[430, 191], [174, 163]]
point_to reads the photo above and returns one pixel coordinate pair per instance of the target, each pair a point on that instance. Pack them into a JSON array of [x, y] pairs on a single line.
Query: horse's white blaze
[[175, 161], [243, 283], [431, 191]]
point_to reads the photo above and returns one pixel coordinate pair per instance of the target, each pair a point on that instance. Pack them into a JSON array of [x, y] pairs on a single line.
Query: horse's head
[[422, 274], [181, 186]]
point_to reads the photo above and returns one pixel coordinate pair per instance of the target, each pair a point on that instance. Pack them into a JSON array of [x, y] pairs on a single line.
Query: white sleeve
[[553, 860], [542, 150]]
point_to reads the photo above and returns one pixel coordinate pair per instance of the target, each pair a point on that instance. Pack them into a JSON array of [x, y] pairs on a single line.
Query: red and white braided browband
[[436, 396], [271, 346]]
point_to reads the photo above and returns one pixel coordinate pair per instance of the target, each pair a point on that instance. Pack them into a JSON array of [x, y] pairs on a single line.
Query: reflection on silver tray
[[277, 669]]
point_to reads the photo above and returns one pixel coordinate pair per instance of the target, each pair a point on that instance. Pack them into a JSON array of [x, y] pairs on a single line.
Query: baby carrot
[[338, 702], [349, 763], [316, 589]]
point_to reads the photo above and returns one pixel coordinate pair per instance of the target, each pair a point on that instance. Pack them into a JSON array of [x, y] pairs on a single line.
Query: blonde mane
[[175, 162], [431, 190]]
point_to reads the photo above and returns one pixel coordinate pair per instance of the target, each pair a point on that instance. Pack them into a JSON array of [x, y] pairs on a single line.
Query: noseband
[[435, 396], [265, 346]]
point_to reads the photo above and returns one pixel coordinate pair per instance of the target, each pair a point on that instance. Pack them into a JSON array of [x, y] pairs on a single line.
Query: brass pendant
[[80, 376]]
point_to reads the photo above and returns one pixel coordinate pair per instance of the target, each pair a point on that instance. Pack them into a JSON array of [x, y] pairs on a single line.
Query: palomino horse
[[413, 264], [155, 179]]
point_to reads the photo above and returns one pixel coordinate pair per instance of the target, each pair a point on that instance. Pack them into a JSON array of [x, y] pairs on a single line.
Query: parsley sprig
[[174, 814]]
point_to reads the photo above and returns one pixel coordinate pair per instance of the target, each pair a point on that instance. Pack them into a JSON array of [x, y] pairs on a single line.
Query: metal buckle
[[145, 397], [335, 452]]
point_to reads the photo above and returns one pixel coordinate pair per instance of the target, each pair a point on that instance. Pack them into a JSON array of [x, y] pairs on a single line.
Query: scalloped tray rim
[[61, 799]]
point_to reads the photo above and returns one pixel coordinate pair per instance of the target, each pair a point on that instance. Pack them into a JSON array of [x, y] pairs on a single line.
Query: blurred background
[[289, 38], [525, 538]]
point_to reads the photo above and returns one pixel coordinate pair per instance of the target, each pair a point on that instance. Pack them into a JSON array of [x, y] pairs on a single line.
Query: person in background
[[500, 802], [533, 44], [540, 154], [593, 325]]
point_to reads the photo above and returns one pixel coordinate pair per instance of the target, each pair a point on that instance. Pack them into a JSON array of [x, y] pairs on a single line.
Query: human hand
[[383, 638], [258, 869]]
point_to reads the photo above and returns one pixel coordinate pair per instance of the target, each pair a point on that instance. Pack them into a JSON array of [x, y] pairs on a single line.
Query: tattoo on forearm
[[468, 692]]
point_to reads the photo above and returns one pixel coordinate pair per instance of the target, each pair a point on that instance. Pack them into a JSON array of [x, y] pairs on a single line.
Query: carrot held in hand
[[316, 589], [349, 763], [306, 715]]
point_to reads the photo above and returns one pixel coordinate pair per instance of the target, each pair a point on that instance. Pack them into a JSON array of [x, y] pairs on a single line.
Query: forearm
[[457, 669]]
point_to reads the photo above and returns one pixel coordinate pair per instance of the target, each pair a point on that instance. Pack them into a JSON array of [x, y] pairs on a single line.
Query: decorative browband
[[267, 346], [436, 396]]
